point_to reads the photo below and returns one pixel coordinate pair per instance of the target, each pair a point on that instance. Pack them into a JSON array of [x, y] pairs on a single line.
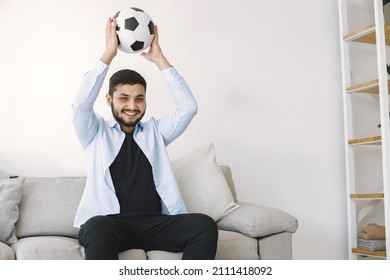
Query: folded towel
[[372, 245], [373, 231]]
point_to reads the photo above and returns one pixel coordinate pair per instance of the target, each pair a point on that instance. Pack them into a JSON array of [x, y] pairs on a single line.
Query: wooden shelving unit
[[378, 35], [367, 35], [375, 140], [371, 87], [368, 253], [367, 196]]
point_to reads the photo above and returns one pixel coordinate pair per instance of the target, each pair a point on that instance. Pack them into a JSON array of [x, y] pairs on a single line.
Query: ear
[[109, 99]]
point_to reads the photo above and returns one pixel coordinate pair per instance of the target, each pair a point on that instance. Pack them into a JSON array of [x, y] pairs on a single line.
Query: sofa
[[45, 208]]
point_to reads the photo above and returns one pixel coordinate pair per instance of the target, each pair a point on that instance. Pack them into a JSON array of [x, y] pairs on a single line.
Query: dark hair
[[125, 77]]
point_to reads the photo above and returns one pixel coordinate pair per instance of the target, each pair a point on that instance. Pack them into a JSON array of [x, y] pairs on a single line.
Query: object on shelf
[[372, 245], [373, 232]]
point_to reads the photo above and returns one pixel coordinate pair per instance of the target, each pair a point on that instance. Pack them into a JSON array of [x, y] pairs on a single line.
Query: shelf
[[368, 87], [367, 35], [367, 196], [365, 252], [376, 140]]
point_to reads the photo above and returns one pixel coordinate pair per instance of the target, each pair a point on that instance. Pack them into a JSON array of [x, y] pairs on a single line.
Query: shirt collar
[[114, 124]]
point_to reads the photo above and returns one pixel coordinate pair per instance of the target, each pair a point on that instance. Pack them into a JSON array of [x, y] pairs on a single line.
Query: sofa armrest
[[256, 221]]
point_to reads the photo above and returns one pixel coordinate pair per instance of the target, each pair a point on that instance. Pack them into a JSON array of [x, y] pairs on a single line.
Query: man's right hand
[[155, 53], [111, 42]]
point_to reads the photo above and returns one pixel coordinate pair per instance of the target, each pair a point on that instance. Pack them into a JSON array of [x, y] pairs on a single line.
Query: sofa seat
[[47, 248], [231, 245], [60, 248]]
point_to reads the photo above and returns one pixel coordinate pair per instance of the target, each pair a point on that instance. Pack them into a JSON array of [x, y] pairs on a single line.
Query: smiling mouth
[[130, 113]]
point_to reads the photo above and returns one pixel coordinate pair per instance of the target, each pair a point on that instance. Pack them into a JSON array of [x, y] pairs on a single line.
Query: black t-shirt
[[132, 176]]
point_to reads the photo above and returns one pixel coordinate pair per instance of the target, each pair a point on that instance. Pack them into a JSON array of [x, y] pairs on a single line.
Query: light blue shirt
[[102, 139]]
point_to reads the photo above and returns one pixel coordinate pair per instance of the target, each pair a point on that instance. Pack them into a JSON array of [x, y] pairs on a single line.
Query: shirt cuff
[[99, 68], [170, 74]]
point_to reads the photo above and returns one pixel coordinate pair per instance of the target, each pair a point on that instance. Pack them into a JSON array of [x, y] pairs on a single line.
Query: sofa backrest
[[49, 204]]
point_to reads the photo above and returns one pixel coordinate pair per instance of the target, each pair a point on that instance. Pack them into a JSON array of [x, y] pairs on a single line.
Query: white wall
[[266, 75]]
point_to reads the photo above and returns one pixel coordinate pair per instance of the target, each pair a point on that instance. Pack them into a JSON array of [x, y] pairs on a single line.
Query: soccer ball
[[135, 30]]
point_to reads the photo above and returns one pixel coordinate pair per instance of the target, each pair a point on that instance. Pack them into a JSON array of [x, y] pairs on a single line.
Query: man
[[131, 198]]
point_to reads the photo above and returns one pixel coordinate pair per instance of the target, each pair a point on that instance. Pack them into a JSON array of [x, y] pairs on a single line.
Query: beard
[[122, 121]]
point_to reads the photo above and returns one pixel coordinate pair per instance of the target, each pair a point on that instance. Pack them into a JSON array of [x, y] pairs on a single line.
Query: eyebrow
[[127, 95]]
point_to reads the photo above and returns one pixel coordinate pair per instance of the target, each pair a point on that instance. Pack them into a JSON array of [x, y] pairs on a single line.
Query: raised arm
[[83, 116], [174, 124], [155, 53], [111, 42]]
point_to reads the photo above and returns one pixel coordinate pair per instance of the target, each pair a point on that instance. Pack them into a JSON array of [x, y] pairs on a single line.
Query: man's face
[[128, 105]]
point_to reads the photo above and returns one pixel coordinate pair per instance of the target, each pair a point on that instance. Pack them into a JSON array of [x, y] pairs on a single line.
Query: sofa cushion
[[6, 252], [231, 246], [60, 248], [163, 255], [48, 248], [202, 183], [227, 172], [132, 254], [49, 205], [10, 195], [257, 220]]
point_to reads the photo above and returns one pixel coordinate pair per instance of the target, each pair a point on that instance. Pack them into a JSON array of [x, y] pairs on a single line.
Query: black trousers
[[104, 237]]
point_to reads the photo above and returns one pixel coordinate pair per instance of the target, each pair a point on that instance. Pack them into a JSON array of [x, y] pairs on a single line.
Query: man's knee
[[97, 228], [206, 225], [204, 238]]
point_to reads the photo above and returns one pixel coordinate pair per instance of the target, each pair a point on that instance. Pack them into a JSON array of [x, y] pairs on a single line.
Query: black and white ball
[[135, 30]]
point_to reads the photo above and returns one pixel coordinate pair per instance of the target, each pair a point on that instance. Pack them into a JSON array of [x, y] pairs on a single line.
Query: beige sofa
[[44, 229]]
